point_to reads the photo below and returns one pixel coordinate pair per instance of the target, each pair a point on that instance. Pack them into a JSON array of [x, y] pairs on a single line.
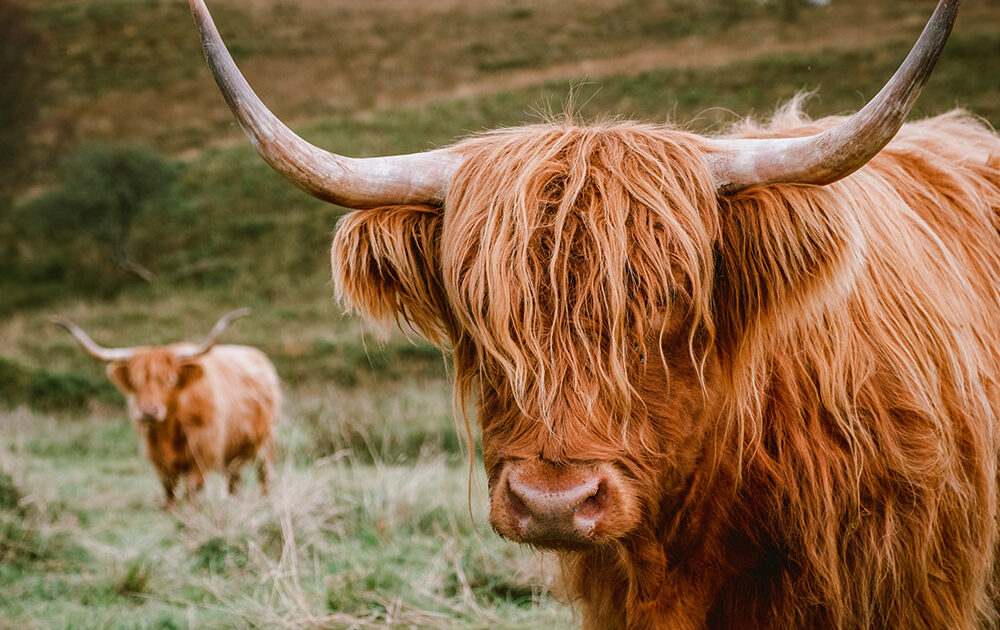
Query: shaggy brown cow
[[733, 386], [197, 407]]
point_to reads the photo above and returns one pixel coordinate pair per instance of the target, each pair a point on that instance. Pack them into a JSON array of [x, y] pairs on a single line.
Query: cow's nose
[[560, 508], [153, 410]]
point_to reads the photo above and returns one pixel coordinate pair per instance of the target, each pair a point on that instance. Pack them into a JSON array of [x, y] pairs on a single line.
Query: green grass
[[339, 543]]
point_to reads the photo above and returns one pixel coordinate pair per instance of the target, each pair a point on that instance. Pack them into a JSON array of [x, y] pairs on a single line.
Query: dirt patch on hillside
[[449, 56]]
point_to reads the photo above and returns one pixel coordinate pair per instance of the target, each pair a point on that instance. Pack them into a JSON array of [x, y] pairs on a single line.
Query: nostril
[[153, 410], [592, 507], [551, 506], [516, 504], [556, 502]]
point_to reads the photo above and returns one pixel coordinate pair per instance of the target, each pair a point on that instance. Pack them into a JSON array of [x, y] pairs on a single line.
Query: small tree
[[104, 189]]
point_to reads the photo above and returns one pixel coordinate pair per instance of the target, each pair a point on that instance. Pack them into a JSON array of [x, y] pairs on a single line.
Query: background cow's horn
[[213, 336], [836, 153], [88, 344], [350, 182]]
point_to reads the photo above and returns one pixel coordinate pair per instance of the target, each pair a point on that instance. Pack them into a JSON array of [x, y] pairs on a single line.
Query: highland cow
[[197, 408], [749, 381]]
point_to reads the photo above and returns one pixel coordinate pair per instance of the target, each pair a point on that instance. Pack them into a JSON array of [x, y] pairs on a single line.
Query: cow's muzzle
[[153, 412], [561, 506]]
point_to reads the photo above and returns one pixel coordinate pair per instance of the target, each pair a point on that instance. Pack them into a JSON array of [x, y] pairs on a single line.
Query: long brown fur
[[798, 382]]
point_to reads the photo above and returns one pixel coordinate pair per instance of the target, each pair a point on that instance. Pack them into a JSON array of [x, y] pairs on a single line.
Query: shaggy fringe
[[854, 328], [571, 245]]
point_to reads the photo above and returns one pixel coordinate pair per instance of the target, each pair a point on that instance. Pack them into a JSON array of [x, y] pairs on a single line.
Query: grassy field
[[374, 521]]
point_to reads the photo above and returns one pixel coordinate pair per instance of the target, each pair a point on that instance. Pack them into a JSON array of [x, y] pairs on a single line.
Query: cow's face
[[592, 474], [597, 296], [570, 271], [152, 377]]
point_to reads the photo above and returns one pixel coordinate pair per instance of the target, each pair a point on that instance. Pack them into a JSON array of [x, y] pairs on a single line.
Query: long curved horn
[[213, 336], [349, 182], [88, 344], [836, 153]]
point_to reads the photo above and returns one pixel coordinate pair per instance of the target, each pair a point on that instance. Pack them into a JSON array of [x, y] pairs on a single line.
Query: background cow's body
[[197, 407], [220, 421]]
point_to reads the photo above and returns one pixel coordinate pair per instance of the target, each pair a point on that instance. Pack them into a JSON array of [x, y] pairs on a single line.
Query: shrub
[[104, 189], [48, 391]]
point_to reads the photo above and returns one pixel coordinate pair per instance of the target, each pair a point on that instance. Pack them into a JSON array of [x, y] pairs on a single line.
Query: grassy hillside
[[372, 523], [148, 50], [132, 69]]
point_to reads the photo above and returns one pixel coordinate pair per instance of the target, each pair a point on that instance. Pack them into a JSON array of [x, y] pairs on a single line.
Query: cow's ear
[[118, 374], [386, 265], [189, 373], [785, 253]]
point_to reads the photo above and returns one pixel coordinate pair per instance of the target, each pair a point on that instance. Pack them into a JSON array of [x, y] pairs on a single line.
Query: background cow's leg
[[195, 482], [233, 477], [170, 497], [265, 465]]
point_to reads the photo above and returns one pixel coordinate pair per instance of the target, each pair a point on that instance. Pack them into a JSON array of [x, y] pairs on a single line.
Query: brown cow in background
[[749, 381], [197, 407]]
